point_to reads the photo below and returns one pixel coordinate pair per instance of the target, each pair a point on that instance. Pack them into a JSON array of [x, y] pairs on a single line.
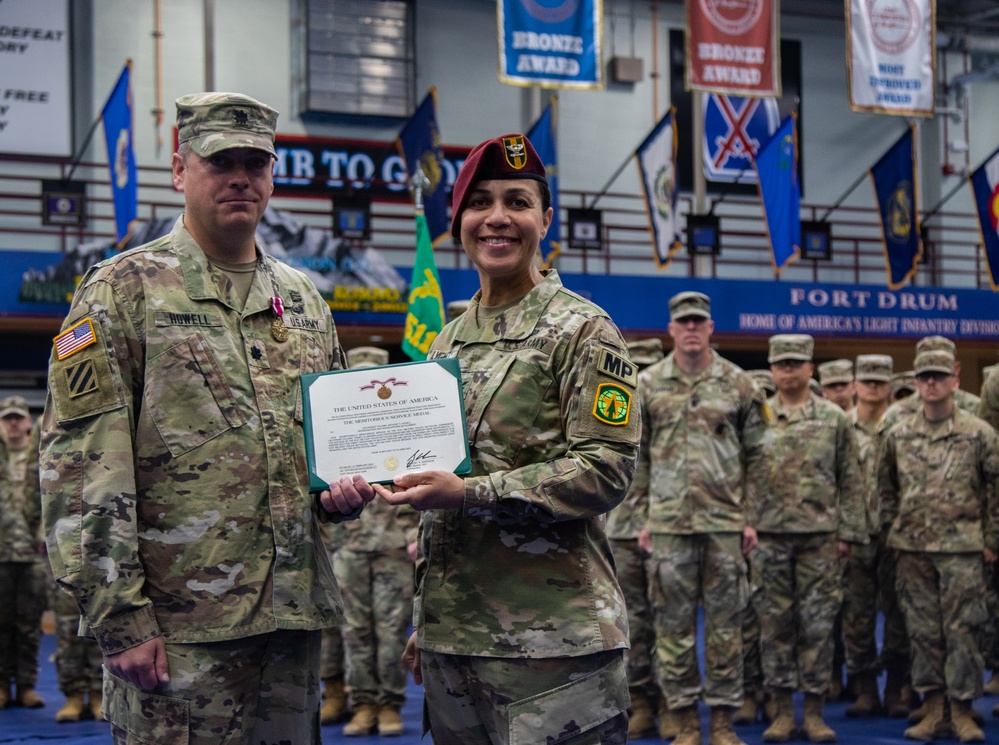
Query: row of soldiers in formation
[[778, 508], [780, 512]]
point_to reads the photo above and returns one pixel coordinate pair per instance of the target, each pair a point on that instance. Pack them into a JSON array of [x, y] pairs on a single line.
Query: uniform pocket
[[144, 718], [187, 396]]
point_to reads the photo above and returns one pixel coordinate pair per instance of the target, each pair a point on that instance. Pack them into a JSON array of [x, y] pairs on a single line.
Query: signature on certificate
[[419, 457]]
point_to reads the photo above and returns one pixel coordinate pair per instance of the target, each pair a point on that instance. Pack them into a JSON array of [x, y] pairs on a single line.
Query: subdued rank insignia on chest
[[81, 378], [612, 404], [515, 151], [616, 366]]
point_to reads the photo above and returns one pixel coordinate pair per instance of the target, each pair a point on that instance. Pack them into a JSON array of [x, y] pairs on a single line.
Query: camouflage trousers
[[799, 579], [77, 659], [500, 701], [752, 661], [22, 589], [632, 575], [895, 649], [990, 633], [942, 599], [377, 589], [706, 569], [860, 609], [331, 659], [260, 690]]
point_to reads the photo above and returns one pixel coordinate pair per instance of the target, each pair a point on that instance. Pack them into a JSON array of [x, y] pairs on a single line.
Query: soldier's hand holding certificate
[[379, 422]]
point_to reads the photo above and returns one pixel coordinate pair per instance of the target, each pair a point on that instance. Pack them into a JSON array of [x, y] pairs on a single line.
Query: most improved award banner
[[379, 422]]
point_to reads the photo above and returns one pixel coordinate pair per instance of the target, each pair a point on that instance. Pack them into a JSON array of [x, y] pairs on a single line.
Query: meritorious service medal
[[278, 330]]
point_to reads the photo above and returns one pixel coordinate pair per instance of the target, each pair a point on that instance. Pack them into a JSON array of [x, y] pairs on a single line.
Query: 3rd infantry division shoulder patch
[[612, 404]]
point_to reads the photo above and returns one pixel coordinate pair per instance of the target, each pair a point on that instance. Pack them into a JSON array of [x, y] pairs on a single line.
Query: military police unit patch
[[515, 151], [612, 404]]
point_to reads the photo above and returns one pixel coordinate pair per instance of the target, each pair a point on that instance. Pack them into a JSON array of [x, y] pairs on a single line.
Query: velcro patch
[[617, 366], [171, 318], [612, 404], [75, 338], [81, 378]]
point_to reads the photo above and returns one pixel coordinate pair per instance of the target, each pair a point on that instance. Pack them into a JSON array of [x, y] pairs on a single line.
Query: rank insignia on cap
[[81, 378], [515, 151], [240, 118], [75, 338], [612, 404]]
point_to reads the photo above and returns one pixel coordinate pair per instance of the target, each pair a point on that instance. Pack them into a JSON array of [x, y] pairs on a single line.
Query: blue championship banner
[[553, 43]]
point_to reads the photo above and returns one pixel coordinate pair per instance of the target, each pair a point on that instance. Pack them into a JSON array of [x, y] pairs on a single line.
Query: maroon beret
[[505, 157]]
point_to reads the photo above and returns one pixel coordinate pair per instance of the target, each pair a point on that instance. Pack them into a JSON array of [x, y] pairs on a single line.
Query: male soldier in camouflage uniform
[[814, 507], [175, 488], [937, 479], [623, 525], [520, 623], [22, 576], [964, 400], [836, 381], [764, 380], [375, 573], [903, 385], [860, 575], [988, 410], [702, 468], [837, 385]]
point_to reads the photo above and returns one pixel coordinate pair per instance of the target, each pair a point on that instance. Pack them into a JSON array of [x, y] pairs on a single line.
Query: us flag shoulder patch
[[75, 338]]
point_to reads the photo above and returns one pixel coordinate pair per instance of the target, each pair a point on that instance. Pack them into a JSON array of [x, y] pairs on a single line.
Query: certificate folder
[[382, 421]]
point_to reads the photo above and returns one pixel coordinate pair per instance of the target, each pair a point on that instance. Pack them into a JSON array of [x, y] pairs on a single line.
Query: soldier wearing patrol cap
[[172, 438], [623, 524], [518, 600], [764, 379], [375, 571], [988, 410], [903, 385], [22, 576], [698, 527], [937, 479], [836, 381], [812, 510], [862, 583]]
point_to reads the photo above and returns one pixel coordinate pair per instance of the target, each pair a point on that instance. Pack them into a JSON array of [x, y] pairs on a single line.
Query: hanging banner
[[890, 58], [894, 178], [656, 158], [542, 137], [985, 185], [732, 47], [552, 43], [777, 174]]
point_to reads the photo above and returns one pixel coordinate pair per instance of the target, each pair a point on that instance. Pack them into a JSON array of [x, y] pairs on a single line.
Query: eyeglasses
[[934, 375], [789, 364]]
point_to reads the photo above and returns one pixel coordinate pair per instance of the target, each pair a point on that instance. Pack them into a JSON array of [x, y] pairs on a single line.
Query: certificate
[[382, 421]]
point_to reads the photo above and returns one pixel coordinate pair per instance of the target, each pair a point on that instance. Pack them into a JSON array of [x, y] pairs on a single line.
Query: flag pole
[[942, 202], [612, 179], [846, 193], [83, 148], [417, 184]]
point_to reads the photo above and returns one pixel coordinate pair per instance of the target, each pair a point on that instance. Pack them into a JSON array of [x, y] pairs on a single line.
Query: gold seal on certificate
[[382, 421]]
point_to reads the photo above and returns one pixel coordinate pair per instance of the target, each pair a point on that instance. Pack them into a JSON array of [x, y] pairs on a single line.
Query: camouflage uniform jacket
[[525, 568], [817, 486], [174, 481], [384, 527], [988, 408], [939, 491], [705, 455], [866, 436], [20, 505]]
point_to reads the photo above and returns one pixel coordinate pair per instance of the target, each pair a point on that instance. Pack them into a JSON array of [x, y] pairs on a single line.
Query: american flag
[[74, 339]]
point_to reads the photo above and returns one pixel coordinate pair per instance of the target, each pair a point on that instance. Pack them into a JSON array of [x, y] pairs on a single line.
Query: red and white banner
[[891, 58], [732, 47]]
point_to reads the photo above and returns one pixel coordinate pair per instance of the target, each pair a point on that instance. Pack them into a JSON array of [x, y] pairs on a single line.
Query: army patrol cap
[[835, 371], [935, 361], [791, 347], [685, 304], [646, 352], [814, 386], [506, 157], [903, 381], [764, 379], [213, 122], [366, 357], [874, 367], [456, 307], [14, 406], [936, 344]]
